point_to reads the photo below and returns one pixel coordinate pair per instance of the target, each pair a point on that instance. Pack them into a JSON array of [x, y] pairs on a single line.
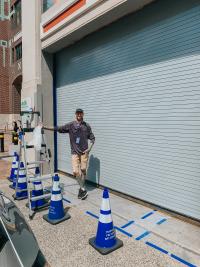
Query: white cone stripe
[[21, 180], [56, 197], [56, 186], [38, 187], [105, 205], [22, 172], [105, 218]]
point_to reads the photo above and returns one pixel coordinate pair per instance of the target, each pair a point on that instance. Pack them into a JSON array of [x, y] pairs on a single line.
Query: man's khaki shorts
[[79, 162]]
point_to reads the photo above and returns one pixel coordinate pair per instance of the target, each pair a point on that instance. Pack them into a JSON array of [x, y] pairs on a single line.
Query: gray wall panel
[[138, 81]]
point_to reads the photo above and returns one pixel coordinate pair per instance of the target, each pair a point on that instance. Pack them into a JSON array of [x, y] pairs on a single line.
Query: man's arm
[[60, 129], [49, 128], [91, 137]]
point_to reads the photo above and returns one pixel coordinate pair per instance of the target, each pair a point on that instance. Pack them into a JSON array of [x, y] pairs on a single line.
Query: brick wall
[[11, 73], [4, 70]]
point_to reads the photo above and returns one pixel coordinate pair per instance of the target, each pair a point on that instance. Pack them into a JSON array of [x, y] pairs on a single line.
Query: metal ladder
[[44, 158]]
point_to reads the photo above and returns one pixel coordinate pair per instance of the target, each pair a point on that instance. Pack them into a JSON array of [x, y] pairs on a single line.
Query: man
[[79, 132]]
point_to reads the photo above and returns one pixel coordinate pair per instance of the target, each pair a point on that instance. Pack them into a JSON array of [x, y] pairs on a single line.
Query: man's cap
[[79, 110]]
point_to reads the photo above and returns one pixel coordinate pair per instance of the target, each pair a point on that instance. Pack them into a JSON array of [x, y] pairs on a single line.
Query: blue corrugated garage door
[[138, 81]]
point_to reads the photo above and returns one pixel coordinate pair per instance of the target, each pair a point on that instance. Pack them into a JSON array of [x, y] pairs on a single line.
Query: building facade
[[10, 60], [134, 67]]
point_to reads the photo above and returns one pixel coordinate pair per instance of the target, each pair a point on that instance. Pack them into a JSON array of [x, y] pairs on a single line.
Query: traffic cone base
[[56, 221], [104, 251], [19, 198], [9, 179]]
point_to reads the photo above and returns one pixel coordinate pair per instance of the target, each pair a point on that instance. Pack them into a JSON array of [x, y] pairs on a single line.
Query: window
[[18, 50], [16, 17], [2, 11], [13, 55], [47, 4]]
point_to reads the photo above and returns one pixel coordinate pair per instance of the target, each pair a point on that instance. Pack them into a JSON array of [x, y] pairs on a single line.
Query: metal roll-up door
[[138, 81]]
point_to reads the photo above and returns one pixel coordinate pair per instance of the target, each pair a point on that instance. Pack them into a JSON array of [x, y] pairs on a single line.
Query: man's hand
[[87, 151]]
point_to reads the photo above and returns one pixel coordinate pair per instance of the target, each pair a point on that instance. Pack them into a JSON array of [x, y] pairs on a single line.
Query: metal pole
[[2, 142]]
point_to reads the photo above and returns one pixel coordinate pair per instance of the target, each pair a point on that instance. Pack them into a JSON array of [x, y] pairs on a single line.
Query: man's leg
[[76, 166], [84, 161]]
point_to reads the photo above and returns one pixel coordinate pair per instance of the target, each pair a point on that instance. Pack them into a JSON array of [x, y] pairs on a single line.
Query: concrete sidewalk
[[151, 238]]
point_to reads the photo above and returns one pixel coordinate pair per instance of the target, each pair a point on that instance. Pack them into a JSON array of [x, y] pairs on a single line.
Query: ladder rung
[[21, 190], [41, 178], [41, 197], [31, 168], [32, 146], [29, 112], [37, 162]]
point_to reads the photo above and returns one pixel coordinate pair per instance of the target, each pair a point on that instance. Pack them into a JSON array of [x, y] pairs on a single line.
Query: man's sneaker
[[80, 193], [84, 194]]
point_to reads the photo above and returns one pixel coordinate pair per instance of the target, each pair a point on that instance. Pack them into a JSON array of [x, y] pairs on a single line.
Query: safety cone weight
[[105, 240], [56, 210]]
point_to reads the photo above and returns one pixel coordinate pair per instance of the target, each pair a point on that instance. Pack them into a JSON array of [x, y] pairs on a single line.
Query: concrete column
[[45, 99], [31, 60], [31, 48]]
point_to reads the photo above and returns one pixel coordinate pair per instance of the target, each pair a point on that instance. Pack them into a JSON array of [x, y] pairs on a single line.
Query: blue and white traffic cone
[[13, 167], [105, 240], [13, 185], [22, 184], [56, 211], [38, 191]]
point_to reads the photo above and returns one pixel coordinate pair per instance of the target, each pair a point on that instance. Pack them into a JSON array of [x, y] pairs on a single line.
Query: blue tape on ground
[[92, 214], [147, 215], [161, 221], [156, 247], [182, 261], [122, 231], [66, 200], [142, 236], [127, 224]]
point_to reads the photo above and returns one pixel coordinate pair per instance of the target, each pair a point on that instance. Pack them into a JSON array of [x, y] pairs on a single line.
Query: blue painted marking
[[147, 215], [92, 214], [122, 231], [143, 235], [161, 221], [127, 224], [66, 200], [156, 247], [182, 261]]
